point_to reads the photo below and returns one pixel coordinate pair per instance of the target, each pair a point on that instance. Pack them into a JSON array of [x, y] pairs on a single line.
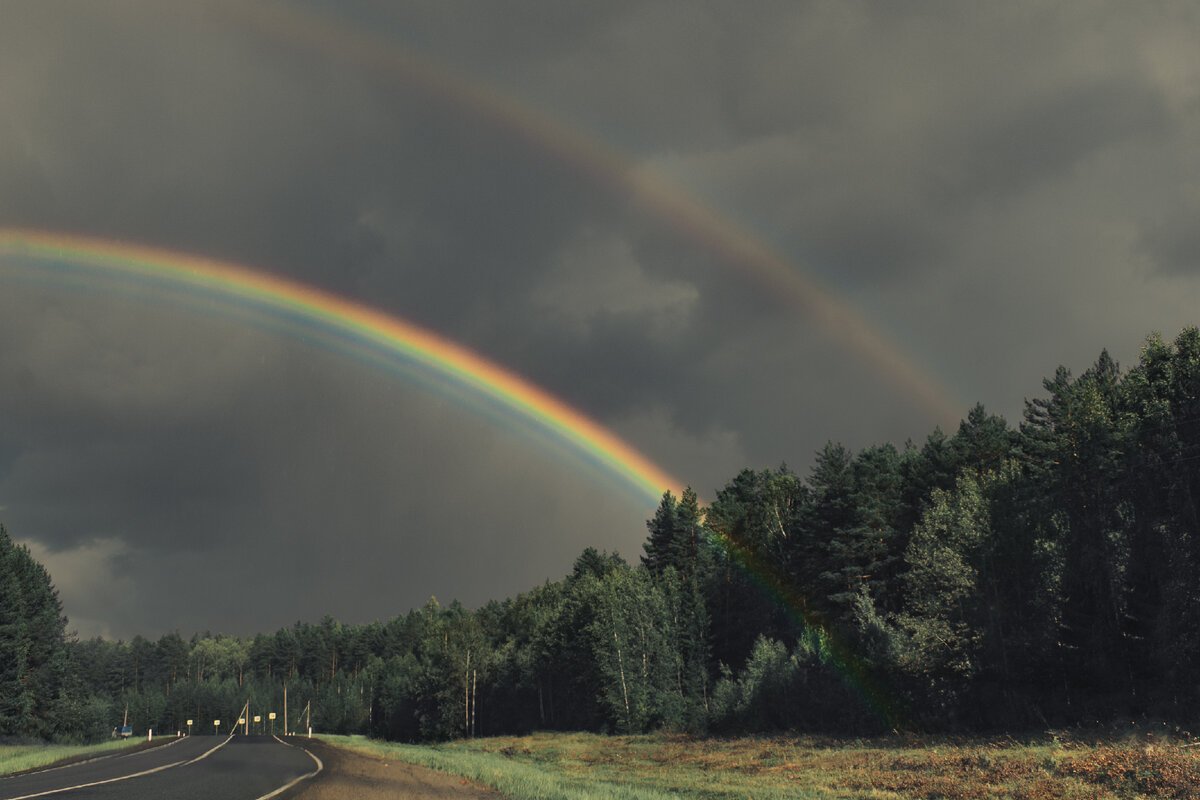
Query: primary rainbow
[[331, 315]]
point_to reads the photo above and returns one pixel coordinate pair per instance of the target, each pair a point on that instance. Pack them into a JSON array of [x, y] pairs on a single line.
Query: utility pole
[[244, 719], [285, 706], [467, 697]]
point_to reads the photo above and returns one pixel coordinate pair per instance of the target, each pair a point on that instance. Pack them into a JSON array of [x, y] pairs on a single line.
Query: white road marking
[[127, 777], [114, 754], [289, 785]]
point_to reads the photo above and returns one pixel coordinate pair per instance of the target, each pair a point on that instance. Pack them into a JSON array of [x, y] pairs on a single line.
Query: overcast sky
[[727, 231]]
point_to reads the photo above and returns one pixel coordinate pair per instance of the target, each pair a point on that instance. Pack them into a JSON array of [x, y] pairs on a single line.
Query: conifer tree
[[1163, 396], [48, 661], [34, 661], [1077, 436], [983, 441], [661, 545], [16, 700]]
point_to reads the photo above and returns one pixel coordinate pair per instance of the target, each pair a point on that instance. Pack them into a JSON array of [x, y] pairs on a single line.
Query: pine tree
[[858, 504], [16, 698], [48, 661], [1163, 394], [661, 545], [1077, 437], [34, 660], [678, 537], [694, 545], [983, 441]]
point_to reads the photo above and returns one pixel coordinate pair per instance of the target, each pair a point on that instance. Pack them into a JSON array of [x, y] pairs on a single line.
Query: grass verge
[[514, 778], [586, 766], [22, 757]]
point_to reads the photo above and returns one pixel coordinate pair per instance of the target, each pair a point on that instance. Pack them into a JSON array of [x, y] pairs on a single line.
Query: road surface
[[233, 768]]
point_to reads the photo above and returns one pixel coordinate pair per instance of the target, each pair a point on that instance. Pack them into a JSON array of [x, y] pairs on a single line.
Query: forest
[[999, 578]]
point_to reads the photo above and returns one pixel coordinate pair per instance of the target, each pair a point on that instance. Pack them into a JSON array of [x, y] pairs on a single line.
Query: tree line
[[998, 577]]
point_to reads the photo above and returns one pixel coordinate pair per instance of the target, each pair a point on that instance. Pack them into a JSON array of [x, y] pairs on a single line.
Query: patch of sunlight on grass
[[578, 765]]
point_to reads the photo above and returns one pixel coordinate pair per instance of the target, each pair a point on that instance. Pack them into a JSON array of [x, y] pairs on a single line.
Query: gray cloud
[[1173, 243], [996, 190]]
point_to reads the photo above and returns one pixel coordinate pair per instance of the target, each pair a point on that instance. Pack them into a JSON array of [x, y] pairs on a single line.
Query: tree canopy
[[996, 577]]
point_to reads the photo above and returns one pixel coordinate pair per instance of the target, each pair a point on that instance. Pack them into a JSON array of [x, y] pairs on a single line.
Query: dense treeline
[[997, 577]]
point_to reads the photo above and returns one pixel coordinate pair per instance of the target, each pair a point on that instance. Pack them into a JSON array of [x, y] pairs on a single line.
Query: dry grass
[[896, 768]]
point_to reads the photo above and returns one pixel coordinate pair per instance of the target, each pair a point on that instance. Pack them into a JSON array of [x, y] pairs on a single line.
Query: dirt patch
[[353, 775]]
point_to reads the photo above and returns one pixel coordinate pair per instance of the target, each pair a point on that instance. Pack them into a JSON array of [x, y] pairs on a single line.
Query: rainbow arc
[[306, 310], [740, 250]]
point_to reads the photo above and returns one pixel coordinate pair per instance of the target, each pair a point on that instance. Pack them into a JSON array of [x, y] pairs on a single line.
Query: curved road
[[232, 768]]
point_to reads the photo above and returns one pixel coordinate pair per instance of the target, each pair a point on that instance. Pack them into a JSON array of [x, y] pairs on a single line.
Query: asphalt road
[[237, 768]]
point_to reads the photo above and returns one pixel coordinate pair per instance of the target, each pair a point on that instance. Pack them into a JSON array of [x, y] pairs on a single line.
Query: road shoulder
[[351, 774]]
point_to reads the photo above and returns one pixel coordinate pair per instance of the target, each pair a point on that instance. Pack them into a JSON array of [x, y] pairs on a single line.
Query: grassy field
[[18, 757], [1136, 764]]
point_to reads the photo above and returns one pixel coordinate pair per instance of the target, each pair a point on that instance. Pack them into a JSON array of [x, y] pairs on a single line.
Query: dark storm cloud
[[299, 481], [986, 186], [1173, 243], [352, 180], [1050, 134]]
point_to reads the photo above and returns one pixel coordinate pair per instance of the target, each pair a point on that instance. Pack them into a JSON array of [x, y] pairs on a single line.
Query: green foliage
[[806, 688], [18, 758], [995, 577], [757, 699], [219, 658], [628, 635], [685, 706], [863, 554], [34, 661], [943, 592], [756, 519]]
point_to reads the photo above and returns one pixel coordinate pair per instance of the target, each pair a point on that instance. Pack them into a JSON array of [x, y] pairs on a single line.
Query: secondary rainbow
[[738, 248], [347, 320]]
